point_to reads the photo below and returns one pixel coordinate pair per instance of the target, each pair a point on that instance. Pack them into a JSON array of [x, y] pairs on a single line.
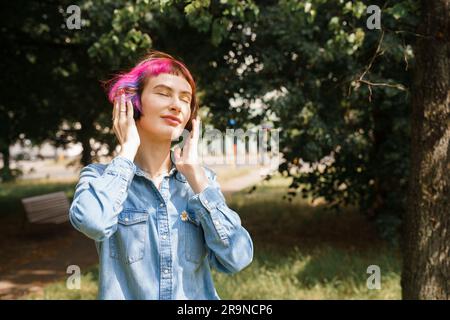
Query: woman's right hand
[[125, 128]]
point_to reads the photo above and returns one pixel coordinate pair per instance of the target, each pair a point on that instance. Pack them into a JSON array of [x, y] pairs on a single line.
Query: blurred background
[[347, 86]]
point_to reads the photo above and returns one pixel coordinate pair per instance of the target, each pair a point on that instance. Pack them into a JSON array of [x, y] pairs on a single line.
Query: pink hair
[[132, 82]]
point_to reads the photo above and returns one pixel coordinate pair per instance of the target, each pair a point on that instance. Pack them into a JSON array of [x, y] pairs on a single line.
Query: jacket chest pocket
[[194, 240], [128, 242]]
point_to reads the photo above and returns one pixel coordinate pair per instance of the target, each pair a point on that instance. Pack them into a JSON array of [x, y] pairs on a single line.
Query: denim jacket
[[157, 244]]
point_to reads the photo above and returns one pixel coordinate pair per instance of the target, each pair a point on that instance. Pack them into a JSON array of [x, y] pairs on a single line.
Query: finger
[[118, 135], [130, 111], [116, 118], [195, 129], [193, 138], [177, 154], [116, 108], [186, 148], [123, 108], [194, 123]]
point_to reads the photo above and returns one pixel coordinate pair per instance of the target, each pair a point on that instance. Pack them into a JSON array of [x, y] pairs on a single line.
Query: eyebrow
[[169, 88]]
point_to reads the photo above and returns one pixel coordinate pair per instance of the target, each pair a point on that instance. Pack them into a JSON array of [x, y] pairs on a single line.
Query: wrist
[[191, 170], [128, 152], [196, 178]]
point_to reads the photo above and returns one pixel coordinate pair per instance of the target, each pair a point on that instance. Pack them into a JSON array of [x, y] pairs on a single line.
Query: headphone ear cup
[[188, 126], [136, 114]]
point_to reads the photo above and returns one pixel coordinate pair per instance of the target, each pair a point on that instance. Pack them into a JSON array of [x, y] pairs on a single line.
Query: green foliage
[[321, 61], [316, 57]]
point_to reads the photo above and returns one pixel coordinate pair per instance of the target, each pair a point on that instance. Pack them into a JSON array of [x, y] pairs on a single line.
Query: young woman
[[158, 218]]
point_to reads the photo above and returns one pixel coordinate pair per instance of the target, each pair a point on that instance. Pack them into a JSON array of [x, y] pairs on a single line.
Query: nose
[[175, 105]]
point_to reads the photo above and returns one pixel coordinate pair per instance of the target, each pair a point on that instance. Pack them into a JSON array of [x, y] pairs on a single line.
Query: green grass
[[59, 290], [325, 273], [302, 251]]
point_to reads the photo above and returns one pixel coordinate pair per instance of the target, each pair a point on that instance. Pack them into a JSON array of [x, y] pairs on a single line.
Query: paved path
[[76, 249], [240, 183]]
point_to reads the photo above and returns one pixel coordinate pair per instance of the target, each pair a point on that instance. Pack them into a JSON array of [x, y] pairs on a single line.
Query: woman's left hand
[[187, 161]]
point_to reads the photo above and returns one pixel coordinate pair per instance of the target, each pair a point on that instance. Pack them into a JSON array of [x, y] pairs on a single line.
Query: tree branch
[[378, 52]]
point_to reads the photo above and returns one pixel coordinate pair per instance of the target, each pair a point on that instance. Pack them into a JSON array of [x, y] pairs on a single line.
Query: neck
[[153, 156]]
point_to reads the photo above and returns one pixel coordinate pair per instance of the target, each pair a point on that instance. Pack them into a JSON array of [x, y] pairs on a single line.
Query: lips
[[172, 120]]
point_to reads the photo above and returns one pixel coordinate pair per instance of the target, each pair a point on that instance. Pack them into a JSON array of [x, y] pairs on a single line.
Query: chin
[[163, 131], [176, 133], [168, 132]]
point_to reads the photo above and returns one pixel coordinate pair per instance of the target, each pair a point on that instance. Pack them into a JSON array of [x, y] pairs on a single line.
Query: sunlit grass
[[324, 273], [60, 291]]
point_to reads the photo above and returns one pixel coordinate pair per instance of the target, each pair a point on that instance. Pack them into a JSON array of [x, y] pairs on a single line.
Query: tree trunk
[[6, 170], [426, 238], [378, 203], [86, 157], [84, 137]]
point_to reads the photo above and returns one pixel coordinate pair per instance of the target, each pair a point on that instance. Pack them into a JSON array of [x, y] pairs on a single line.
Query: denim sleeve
[[230, 245], [99, 197]]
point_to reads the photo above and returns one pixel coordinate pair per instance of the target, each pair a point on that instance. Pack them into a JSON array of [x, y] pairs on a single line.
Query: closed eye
[[186, 99]]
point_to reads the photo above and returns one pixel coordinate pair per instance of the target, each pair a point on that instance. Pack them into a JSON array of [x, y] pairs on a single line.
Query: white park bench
[[51, 208]]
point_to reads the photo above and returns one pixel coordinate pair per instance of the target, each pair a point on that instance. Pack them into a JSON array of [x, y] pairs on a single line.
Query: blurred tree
[[30, 97], [337, 88], [72, 63], [426, 261]]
